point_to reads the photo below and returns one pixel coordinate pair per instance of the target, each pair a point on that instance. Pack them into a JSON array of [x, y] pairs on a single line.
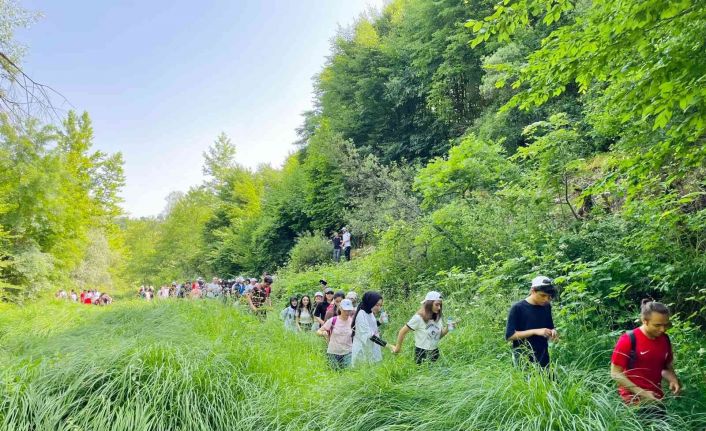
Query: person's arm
[[670, 376], [617, 373], [513, 322], [296, 320], [554, 335], [316, 316], [324, 330], [541, 332], [400, 339], [250, 303]]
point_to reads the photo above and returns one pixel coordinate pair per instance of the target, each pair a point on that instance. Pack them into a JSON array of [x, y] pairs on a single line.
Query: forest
[[467, 146]]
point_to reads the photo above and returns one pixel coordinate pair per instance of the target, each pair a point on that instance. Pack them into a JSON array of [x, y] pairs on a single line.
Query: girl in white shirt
[[304, 314], [428, 327], [366, 336]]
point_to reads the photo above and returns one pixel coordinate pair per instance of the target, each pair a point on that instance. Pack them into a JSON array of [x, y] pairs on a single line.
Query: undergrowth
[[202, 365]]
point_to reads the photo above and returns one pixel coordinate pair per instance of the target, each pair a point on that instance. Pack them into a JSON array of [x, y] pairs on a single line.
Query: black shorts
[[421, 355]]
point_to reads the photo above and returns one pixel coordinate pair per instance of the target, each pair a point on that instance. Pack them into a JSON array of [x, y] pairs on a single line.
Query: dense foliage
[[467, 146], [58, 206], [461, 134]]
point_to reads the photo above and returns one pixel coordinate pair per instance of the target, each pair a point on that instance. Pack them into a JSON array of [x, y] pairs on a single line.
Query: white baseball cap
[[352, 295], [318, 294], [432, 296], [347, 305], [542, 281]]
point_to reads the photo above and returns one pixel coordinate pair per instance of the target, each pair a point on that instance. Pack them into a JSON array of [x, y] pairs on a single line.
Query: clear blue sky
[[161, 79]]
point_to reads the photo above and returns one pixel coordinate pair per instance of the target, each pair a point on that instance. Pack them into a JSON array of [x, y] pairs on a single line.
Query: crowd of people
[[89, 297], [641, 359], [352, 328], [242, 289]]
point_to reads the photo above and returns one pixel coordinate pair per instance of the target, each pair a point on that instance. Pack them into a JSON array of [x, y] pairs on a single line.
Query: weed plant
[[202, 365]]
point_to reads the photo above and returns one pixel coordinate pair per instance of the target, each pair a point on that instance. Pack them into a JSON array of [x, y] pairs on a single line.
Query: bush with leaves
[[310, 250]]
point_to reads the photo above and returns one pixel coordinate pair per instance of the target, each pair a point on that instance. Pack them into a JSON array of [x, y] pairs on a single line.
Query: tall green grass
[[200, 365]]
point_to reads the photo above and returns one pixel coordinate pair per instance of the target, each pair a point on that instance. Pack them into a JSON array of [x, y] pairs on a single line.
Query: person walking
[[336, 240], [256, 298], [346, 243], [353, 297], [643, 357], [320, 311], [428, 326], [289, 314], [337, 330], [530, 324], [318, 299], [367, 343], [333, 308], [304, 318]]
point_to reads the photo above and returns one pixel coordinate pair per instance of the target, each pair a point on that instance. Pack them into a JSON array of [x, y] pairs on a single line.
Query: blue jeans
[[339, 362], [336, 254]]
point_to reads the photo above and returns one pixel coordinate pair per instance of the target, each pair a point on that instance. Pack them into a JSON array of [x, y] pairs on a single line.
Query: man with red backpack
[[643, 357]]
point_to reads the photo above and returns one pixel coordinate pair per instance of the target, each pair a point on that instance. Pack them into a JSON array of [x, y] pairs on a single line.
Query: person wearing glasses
[[530, 325], [320, 311]]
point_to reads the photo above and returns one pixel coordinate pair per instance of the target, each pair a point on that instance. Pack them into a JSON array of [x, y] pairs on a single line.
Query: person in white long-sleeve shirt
[[367, 343]]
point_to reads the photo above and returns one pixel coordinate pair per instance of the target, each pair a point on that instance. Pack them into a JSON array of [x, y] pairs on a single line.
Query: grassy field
[[201, 365]]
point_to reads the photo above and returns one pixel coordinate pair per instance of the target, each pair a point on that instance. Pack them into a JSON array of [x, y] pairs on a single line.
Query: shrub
[[310, 250]]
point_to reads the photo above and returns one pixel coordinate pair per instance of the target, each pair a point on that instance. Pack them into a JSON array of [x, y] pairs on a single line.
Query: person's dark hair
[[267, 279], [648, 306], [293, 298], [426, 311], [301, 305], [366, 304], [548, 289], [339, 294]]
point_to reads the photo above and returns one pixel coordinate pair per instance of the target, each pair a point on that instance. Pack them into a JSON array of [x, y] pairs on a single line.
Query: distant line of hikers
[[89, 297]]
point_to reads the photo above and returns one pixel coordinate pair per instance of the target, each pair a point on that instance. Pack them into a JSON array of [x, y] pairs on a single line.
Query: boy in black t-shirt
[[530, 323]]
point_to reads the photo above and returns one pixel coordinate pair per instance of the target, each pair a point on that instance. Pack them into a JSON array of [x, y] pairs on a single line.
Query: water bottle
[[450, 322], [383, 317]]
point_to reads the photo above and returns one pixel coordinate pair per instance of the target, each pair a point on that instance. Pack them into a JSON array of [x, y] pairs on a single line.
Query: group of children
[[642, 357], [352, 328]]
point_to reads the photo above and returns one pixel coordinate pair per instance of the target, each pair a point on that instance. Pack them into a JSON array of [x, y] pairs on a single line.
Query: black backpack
[[632, 358]]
